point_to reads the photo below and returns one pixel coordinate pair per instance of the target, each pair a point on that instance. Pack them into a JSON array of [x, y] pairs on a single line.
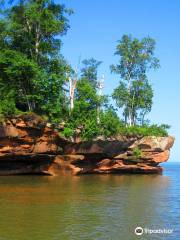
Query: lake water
[[90, 206]]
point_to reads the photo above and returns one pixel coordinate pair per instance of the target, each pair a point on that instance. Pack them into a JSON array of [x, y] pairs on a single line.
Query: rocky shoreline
[[29, 145]]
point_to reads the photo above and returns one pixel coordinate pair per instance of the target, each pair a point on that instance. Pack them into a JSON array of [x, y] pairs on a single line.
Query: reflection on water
[[88, 207]]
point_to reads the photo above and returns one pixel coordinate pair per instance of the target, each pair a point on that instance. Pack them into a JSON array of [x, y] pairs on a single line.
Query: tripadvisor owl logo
[[138, 231]]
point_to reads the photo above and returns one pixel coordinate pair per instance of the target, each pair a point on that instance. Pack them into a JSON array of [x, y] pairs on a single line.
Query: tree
[[31, 32], [73, 78], [86, 100], [36, 28], [20, 74], [138, 100], [3, 33], [110, 122], [89, 70], [134, 92], [85, 113]]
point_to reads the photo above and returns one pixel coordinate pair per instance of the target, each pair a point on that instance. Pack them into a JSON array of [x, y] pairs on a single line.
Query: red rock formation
[[28, 145], [119, 156]]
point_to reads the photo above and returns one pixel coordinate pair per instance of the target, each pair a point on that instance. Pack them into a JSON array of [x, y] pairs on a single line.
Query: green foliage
[[19, 74], [3, 27], [136, 57], [7, 104], [85, 113], [86, 103], [67, 132], [30, 62], [86, 95], [89, 70], [138, 99], [137, 153], [87, 123], [110, 123], [36, 27], [145, 130], [134, 93], [33, 76], [91, 129], [53, 101]]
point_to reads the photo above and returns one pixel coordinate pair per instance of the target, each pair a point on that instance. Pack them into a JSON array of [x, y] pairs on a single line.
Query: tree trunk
[[72, 87]]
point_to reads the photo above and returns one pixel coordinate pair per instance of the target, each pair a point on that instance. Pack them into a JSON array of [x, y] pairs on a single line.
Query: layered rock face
[[30, 146], [125, 156]]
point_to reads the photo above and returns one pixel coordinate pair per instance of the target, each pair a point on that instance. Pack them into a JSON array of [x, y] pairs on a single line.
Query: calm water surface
[[90, 207]]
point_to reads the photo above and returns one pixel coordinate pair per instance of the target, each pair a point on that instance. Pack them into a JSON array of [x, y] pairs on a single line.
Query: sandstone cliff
[[30, 146]]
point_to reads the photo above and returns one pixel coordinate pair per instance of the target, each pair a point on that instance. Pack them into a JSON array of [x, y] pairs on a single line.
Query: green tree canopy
[[30, 44], [134, 93], [90, 69]]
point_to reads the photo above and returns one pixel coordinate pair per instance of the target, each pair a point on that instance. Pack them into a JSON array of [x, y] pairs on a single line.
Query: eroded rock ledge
[[30, 146]]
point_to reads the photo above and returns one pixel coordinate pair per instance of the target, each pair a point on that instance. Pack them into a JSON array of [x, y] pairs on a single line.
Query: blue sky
[[96, 26]]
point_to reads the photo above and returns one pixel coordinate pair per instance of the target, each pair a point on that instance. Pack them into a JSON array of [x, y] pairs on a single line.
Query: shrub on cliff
[[137, 153], [145, 130], [7, 103], [110, 124]]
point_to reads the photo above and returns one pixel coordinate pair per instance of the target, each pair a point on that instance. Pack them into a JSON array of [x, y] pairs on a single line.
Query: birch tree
[[136, 59]]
